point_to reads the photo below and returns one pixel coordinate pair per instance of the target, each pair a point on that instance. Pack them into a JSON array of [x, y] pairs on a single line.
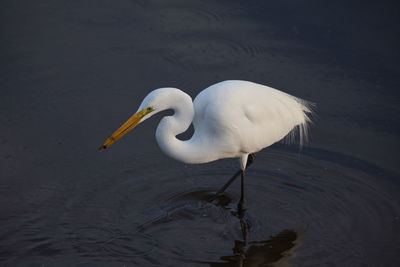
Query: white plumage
[[231, 119]]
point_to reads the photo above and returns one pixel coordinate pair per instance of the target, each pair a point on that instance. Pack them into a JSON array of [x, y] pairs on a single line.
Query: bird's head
[[151, 104]]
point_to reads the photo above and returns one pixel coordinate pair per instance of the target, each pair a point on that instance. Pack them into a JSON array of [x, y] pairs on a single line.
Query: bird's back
[[241, 117]]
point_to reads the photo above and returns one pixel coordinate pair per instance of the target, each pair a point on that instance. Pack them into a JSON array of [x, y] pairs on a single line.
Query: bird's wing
[[246, 117]]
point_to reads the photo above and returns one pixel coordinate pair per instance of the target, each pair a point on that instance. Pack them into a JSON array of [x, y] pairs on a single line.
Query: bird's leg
[[243, 227], [242, 201], [220, 191], [250, 160]]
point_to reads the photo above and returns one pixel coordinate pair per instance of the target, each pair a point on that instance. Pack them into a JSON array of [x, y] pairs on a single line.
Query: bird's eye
[[149, 109]]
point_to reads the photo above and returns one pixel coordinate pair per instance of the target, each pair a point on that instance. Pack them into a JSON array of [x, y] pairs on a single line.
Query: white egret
[[232, 119]]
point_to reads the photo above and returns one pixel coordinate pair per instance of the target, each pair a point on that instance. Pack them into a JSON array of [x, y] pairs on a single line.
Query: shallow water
[[310, 207], [71, 73]]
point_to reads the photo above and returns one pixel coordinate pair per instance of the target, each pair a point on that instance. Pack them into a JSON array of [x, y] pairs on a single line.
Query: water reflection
[[276, 251]]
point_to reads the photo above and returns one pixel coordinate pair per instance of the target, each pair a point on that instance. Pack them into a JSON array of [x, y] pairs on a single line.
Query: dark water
[[72, 72]]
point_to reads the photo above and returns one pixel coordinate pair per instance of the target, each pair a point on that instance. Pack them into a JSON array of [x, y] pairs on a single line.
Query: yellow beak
[[131, 123]]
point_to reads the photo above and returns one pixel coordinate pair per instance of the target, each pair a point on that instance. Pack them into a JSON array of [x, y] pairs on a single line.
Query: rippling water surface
[[71, 73]]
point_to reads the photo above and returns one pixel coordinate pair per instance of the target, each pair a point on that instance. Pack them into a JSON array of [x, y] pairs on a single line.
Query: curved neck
[[170, 126]]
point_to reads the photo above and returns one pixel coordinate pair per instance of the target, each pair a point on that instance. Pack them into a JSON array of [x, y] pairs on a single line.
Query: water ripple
[[150, 216]]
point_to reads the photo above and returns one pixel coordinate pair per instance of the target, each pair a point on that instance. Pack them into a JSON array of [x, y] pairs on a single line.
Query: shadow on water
[[185, 206], [314, 190], [276, 251], [349, 215]]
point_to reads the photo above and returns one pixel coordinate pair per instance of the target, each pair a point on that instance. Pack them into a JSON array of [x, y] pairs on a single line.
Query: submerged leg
[[242, 201], [250, 160]]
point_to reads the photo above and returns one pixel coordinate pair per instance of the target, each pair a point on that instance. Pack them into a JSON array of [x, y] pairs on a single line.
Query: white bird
[[231, 119]]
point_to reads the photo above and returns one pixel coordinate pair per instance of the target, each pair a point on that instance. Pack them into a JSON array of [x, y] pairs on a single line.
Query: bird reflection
[[276, 251]]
